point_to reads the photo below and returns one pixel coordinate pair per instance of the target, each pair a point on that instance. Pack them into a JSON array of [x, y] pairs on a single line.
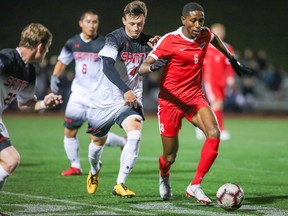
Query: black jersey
[[17, 79], [128, 54]]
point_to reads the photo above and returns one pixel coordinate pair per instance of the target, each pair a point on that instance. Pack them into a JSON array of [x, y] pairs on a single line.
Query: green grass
[[256, 158]]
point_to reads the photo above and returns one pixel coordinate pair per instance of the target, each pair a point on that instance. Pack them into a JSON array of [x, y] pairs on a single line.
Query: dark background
[[256, 24]]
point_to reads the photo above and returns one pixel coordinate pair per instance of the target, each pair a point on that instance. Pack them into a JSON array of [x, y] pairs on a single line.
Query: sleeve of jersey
[[66, 55], [160, 50], [112, 74]]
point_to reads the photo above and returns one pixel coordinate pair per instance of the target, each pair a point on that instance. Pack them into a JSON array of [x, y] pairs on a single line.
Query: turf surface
[[256, 158]]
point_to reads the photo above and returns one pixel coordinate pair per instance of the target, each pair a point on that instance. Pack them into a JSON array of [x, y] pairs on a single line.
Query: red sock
[[208, 155], [164, 167], [219, 116]]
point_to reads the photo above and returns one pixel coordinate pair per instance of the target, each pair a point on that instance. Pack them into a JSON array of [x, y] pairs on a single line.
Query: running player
[[181, 95], [17, 80], [84, 49], [217, 76], [117, 97]]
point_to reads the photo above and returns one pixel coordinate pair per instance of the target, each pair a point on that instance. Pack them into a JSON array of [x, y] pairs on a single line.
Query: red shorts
[[170, 116]]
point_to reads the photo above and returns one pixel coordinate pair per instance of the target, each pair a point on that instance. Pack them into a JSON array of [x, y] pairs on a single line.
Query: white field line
[[74, 203]]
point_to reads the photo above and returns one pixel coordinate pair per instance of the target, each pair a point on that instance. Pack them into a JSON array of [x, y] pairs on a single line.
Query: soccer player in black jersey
[[117, 95], [17, 80]]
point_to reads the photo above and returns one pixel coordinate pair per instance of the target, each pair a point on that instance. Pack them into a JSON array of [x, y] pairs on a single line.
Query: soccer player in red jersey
[[217, 74], [181, 95]]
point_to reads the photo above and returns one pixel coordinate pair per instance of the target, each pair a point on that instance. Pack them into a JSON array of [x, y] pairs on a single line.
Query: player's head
[[219, 30], [89, 23], [37, 38], [192, 19], [134, 16]]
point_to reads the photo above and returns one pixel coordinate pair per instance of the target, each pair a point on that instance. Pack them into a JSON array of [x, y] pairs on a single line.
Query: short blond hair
[[34, 34], [135, 9]]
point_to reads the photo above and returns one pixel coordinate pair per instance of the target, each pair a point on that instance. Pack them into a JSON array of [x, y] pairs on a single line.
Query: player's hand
[[54, 81], [239, 68], [130, 99], [153, 41], [52, 100], [158, 64]]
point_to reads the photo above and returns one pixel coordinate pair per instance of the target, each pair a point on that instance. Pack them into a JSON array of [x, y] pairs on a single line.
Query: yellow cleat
[[122, 191], [92, 181]]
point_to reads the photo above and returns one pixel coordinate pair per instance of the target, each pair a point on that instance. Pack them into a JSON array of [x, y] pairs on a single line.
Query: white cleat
[[199, 134], [197, 192], [225, 135], [165, 189]]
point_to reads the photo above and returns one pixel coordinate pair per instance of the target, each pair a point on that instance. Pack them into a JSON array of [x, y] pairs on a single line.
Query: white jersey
[[87, 62], [128, 55]]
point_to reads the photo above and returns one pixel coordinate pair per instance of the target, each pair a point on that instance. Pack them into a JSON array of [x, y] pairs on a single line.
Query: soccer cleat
[[225, 135], [199, 134], [72, 171], [165, 189], [122, 191], [197, 192], [92, 181]]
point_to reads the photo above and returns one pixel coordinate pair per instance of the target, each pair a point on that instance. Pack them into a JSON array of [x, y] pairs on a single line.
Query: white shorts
[[101, 120], [76, 112]]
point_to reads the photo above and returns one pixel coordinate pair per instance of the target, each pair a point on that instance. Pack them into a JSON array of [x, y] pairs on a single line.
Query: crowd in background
[[241, 98]]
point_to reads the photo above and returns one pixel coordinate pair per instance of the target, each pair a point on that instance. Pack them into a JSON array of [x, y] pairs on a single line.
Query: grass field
[[256, 158]]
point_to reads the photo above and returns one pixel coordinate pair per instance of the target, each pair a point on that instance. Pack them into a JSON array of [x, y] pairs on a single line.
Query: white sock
[[129, 155], [94, 154], [71, 146], [115, 140], [3, 175]]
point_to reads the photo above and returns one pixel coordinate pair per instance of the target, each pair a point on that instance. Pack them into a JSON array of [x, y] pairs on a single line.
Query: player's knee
[[12, 163], [70, 133], [213, 132], [170, 159]]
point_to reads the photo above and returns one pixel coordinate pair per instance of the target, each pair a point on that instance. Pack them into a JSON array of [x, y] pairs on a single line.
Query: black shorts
[[4, 142]]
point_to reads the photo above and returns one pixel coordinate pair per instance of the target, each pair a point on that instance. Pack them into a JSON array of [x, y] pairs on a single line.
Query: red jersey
[[181, 79], [217, 67]]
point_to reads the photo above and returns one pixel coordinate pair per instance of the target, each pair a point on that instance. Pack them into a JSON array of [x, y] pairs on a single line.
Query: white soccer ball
[[230, 196]]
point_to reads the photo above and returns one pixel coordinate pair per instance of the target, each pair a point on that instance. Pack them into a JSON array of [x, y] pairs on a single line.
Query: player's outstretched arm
[[239, 68], [51, 100], [151, 65]]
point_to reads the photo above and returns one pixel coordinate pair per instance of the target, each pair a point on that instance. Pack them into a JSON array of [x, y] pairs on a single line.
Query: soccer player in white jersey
[[117, 97], [17, 80], [84, 49]]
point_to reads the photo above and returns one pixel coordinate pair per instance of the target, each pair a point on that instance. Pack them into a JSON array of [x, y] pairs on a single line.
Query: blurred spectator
[[273, 78]]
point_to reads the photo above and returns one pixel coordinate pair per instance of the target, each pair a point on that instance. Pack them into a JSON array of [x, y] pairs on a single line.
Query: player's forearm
[[144, 69], [59, 69], [219, 44]]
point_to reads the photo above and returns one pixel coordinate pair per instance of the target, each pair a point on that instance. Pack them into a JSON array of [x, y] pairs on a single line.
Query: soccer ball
[[230, 196]]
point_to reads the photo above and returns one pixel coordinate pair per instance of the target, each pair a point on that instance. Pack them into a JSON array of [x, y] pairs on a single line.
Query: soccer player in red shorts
[[217, 76], [181, 95]]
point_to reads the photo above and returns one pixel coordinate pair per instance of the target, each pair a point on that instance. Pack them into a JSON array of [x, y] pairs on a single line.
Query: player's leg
[[170, 149], [99, 124], [132, 124], [169, 136], [95, 151], [115, 140], [9, 160], [216, 95], [206, 121], [75, 115]]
